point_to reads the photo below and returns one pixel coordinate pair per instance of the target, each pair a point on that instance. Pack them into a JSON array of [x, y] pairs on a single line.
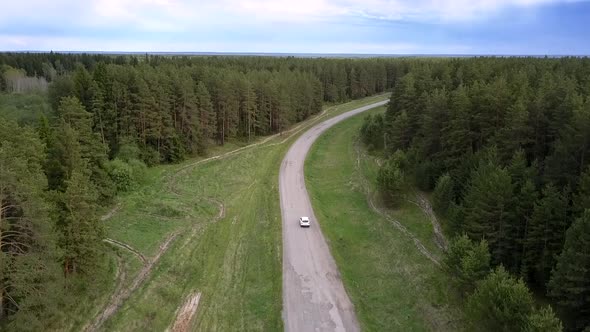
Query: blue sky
[[539, 27]]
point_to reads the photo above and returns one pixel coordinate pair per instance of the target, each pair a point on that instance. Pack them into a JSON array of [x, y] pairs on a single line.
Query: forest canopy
[[502, 142], [76, 129], [504, 145]]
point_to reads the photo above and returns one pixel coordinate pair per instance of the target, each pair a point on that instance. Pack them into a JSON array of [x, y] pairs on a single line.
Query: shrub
[[391, 182], [500, 303], [128, 150], [139, 170], [467, 262], [121, 174], [126, 175], [543, 320], [150, 156]]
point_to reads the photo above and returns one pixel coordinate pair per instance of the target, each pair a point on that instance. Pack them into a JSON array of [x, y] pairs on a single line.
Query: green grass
[[393, 287], [235, 262], [410, 215]]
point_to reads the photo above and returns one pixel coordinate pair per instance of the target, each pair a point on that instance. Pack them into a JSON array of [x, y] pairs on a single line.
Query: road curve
[[314, 298]]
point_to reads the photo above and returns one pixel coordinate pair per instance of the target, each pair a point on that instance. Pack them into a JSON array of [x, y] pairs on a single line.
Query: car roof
[[305, 218]]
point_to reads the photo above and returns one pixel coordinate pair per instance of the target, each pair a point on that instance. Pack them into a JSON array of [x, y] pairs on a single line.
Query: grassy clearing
[[391, 284], [234, 262]]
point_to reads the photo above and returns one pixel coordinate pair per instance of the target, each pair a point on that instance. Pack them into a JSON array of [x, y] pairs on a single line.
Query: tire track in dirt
[[123, 294], [172, 182], [111, 213], [128, 247], [221, 206], [173, 178], [185, 314], [424, 205], [370, 199], [120, 295]]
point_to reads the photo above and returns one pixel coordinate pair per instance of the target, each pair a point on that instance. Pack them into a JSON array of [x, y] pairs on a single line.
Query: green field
[[234, 260], [392, 285]]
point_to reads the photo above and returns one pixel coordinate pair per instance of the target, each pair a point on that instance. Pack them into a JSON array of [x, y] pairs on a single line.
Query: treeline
[[109, 117], [172, 111], [504, 144], [177, 106]]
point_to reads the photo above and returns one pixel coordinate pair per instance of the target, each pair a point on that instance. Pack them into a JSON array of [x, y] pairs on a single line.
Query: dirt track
[[121, 294], [314, 298]]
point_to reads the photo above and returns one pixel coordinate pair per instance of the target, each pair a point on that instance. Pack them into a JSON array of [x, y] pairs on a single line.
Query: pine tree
[[248, 109], [355, 84], [457, 136], [570, 280], [525, 197], [26, 238], [525, 203], [581, 199], [433, 121], [64, 155], [569, 156], [391, 181], [516, 134], [206, 115], [80, 233], [484, 114], [443, 194], [100, 118], [402, 97], [543, 320], [519, 171], [500, 303], [545, 235], [489, 209], [372, 132], [73, 114], [63, 86], [467, 262], [82, 86], [340, 78], [399, 136]]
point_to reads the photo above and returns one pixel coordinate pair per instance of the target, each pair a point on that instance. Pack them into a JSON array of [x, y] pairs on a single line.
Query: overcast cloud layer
[[303, 26]]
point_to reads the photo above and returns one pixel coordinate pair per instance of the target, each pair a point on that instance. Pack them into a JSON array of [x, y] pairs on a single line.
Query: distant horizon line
[[300, 54]]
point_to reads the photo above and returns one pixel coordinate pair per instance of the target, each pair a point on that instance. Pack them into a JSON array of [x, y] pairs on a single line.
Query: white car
[[304, 222]]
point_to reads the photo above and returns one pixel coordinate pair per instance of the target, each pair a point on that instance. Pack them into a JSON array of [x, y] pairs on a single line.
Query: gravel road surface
[[314, 298]]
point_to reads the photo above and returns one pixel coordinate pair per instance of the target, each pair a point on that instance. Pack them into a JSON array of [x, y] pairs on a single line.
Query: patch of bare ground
[[111, 213], [221, 206], [185, 314], [120, 276]]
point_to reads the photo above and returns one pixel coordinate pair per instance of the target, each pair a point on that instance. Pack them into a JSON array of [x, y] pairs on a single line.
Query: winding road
[[314, 298]]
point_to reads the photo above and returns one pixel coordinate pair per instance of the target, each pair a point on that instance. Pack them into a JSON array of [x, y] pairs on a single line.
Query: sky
[[496, 27]]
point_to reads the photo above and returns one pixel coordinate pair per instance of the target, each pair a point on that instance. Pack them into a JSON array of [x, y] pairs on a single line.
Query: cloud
[[438, 10], [177, 15], [357, 26], [16, 42]]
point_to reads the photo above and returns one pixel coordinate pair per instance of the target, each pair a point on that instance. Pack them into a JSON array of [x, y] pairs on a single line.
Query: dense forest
[[501, 142], [504, 144], [76, 129]]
